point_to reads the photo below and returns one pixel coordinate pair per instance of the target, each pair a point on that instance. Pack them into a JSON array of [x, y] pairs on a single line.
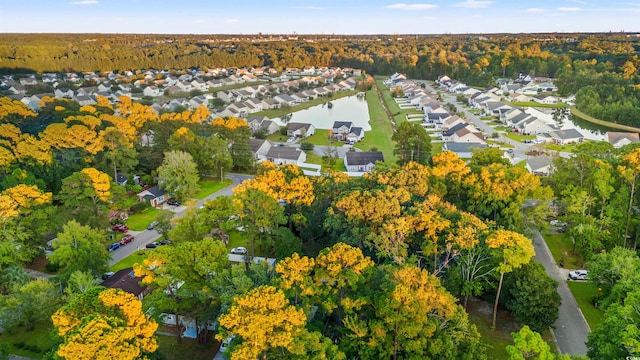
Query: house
[[254, 122], [518, 97], [127, 281], [269, 126], [496, 108], [154, 195], [285, 99], [270, 104], [539, 165], [533, 125], [300, 130], [280, 155], [620, 139], [362, 161], [468, 134], [260, 148], [341, 129], [544, 99], [463, 150], [152, 91], [568, 136], [356, 134]]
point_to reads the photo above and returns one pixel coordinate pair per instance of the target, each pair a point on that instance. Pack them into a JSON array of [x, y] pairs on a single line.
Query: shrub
[[139, 207], [306, 146], [19, 344], [52, 267]]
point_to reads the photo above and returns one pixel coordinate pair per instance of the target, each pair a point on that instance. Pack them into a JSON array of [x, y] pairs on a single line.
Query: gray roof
[[463, 147], [363, 158], [454, 129], [255, 144], [356, 131], [339, 124], [566, 134], [615, 136], [153, 192], [538, 162], [284, 152], [293, 126]]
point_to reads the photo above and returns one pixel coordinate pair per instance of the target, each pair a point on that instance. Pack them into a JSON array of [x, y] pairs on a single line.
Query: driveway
[[142, 238], [571, 329]]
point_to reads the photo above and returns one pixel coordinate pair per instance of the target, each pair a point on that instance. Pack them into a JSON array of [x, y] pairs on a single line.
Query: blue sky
[[313, 16]]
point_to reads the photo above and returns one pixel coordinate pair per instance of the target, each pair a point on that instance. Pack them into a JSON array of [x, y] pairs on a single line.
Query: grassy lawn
[[280, 112], [313, 158], [319, 138], [585, 292], [208, 187], [535, 104], [561, 246], [139, 222], [277, 137], [381, 130], [518, 137], [499, 338], [39, 337], [134, 258], [168, 348], [436, 148]]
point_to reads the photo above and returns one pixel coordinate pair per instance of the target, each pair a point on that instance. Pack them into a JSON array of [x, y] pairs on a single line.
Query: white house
[[620, 139], [280, 155], [539, 165]]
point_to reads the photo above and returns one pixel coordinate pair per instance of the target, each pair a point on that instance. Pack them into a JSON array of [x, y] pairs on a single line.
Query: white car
[[578, 274], [291, 139], [239, 250], [225, 344]]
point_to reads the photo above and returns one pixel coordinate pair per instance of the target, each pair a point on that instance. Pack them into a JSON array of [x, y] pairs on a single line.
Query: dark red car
[[126, 239], [120, 228]]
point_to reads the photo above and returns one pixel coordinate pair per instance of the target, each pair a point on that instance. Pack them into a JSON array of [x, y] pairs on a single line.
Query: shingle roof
[[363, 158], [566, 134], [339, 124], [125, 280], [284, 152]]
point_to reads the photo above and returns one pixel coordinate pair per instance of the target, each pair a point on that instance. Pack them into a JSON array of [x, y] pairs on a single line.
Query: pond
[[589, 130], [350, 108]]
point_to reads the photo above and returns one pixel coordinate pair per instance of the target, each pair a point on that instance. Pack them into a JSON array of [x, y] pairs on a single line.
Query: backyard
[[561, 247]]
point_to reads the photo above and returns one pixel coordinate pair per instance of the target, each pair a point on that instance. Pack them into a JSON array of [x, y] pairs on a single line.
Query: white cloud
[[568, 9], [308, 7], [402, 6], [230, 21], [475, 4], [84, 2], [535, 10]]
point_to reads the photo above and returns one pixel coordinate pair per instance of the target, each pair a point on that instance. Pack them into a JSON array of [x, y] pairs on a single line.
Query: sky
[[318, 17]]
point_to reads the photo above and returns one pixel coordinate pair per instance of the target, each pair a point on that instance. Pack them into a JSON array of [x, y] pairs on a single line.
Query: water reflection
[[350, 108]]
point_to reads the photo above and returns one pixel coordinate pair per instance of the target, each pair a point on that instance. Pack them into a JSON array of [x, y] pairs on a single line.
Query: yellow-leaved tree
[[100, 182], [513, 250], [104, 324], [14, 199], [265, 320]]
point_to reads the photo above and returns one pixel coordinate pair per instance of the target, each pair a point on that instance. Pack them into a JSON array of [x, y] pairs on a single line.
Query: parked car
[[578, 274], [107, 275], [152, 225], [173, 202], [120, 228], [557, 223], [114, 246], [152, 245], [225, 344], [239, 250], [166, 242], [126, 239]]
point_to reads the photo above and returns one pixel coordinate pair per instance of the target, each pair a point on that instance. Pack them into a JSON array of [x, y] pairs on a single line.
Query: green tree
[[80, 282], [260, 214], [86, 204], [12, 276], [532, 297], [529, 344], [34, 301], [163, 224], [79, 247], [178, 174], [616, 272], [617, 335], [412, 144]]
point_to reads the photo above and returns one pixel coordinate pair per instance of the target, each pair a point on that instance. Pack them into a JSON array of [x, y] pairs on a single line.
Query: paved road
[[142, 238], [571, 328]]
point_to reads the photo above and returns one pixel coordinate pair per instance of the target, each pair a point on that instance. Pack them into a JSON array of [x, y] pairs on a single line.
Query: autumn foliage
[[102, 323]]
